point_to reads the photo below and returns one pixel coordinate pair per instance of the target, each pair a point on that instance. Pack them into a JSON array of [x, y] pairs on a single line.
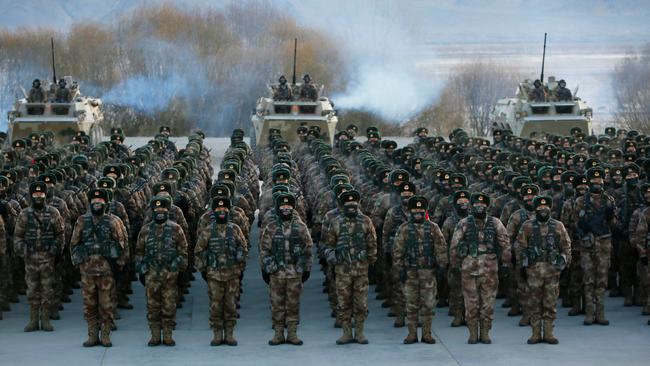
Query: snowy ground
[[624, 342]]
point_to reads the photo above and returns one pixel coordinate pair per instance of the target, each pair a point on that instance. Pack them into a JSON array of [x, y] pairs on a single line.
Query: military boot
[[399, 321], [525, 320], [485, 332], [576, 307], [386, 304], [217, 337], [33, 319], [106, 335], [548, 332], [426, 333], [515, 310], [4, 305], [278, 337], [412, 337], [292, 334], [600, 315], [167, 336], [589, 314], [230, 338], [93, 335], [628, 295], [458, 318], [646, 310], [537, 332], [472, 326], [155, 336], [358, 332], [45, 320], [54, 313], [347, 335]]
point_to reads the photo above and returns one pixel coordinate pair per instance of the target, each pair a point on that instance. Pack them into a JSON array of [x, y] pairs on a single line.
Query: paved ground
[[624, 342]]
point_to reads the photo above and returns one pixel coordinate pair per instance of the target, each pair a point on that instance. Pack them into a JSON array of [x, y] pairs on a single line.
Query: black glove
[[523, 273], [644, 260], [266, 277], [402, 275], [204, 274], [141, 277], [305, 276]]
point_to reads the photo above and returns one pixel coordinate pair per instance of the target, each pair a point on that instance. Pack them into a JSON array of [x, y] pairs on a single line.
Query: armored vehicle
[[526, 118], [82, 113]]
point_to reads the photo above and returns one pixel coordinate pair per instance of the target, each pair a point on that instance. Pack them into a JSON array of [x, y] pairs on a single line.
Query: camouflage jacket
[[639, 224], [296, 250], [543, 246], [154, 237], [203, 246], [394, 218], [98, 265], [39, 232], [405, 241], [486, 258], [368, 243]]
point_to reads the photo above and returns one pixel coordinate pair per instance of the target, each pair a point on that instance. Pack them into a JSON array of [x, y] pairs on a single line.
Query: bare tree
[[631, 83]]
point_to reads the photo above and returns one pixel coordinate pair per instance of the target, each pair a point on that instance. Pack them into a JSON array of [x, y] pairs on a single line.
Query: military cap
[[98, 193], [221, 190], [542, 201], [285, 198], [529, 190], [480, 198], [615, 154], [47, 178], [645, 188], [340, 188], [398, 175], [349, 196], [458, 179], [388, 144], [406, 187], [418, 202], [112, 169], [161, 202], [461, 194], [4, 182], [37, 187], [520, 181], [568, 176], [220, 201], [19, 143], [353, 127], [371, 129], [165, 129], [170, 174], [302, 130], [281, 174], [596, 172], [106, 183], [339, 179], [161, 187], [117, 131], [117, 137], [632, 168]]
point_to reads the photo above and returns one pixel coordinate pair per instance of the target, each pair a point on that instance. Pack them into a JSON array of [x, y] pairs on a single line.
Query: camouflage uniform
[[220, 254], [639, 229]]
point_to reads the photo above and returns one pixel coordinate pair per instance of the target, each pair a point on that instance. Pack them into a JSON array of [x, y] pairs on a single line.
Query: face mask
[[97, 209], [632, 182], [581, 191], [479, 212], [617, 183], [160, 217], [462, 210], [595, 188], [557, 186], [221, 216], [38, 202], [543, 215], [350, 210], [405, 200], [286, 214], [418, 217], [528, 205]]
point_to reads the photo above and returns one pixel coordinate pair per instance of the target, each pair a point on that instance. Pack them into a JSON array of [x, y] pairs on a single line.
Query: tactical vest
[[350, 247], [281, 258], [222, 252], [544, 249], [97, 241], [414, 258], [469, 244], [46, 242], [397, 222], [160, 251], [596, 217], [523, 217]]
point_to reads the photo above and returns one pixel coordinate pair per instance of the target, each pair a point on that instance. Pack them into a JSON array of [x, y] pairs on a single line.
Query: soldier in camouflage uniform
[[220, 255], [474, 247], [594, 214], [39, 239], [98, 247], [419, 251], [160, 253], [543, 251], [285, 255], [639, 229], [4, 302], [351, 247]]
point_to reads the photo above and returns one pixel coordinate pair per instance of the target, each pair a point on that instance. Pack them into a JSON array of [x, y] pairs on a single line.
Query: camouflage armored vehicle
[[82, 113], [526, 117]]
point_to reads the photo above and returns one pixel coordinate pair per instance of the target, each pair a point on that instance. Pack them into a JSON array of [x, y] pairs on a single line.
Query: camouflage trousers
[[5, 278], [223, 302], [285, 300], [420, 290], [521, 295], [543, 290], [39, 276], [455, 290], [479, 292], [594, 260], [643, 273], [397, 293], [161, 291], [628, 257], [575, 276], [99, 305], [352, 297], [331, 286]]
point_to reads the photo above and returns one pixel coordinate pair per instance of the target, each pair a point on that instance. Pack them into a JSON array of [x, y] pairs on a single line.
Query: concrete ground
[[625, 342]]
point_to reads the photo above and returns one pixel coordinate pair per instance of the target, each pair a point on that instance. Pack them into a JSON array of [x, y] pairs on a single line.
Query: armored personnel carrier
[[82, 113], [526, 118]]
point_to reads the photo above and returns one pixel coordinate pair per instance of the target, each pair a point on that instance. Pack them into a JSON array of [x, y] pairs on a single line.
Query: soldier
[[220, 255], [538, 94], [98, 247], [285, 255], [544, 250], [419, 251], [161, 252], [308, 90], [639, 225], [474, 247], [282, 91], [39, 239], [351, 247], [595, 215], [562, 93], [62, 93], [36, 93]]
